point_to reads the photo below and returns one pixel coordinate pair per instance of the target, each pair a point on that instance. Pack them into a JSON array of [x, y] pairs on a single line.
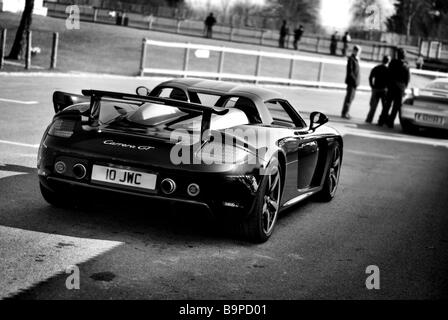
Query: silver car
[[426, 107]]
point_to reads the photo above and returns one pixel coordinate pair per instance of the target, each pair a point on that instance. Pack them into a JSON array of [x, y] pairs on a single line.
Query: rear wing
[[62, 100], [96, 96]]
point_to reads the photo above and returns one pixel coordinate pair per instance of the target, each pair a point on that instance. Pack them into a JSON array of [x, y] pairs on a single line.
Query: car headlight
[[218, 153], [63, 128]]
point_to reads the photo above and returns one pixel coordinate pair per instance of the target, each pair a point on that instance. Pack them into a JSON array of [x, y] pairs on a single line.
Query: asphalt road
[[390, 211]]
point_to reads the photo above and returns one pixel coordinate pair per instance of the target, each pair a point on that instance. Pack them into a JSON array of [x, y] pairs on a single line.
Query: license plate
[[124, 177], [429, 118]]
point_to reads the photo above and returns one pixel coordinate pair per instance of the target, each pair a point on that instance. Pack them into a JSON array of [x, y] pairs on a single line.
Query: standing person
[[378, 80], [346, 39], [334, 43], [283, 33], [297, 36], [400, 76], [352, 80], [419, 62], [209, 23]]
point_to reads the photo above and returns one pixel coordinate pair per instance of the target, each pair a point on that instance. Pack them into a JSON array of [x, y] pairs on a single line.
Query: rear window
[[152, 114], [110, 110]]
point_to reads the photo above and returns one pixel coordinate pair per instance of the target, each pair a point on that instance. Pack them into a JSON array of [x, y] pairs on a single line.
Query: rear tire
[[260, 223], [332, 176], [53, 197]]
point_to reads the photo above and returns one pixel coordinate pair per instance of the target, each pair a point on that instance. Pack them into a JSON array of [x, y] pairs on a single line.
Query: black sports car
[[241, 151]]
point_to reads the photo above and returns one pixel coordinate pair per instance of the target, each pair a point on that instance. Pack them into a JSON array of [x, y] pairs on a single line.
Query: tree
[[298, 11], [372, 14], [411, 16], [24, 27]]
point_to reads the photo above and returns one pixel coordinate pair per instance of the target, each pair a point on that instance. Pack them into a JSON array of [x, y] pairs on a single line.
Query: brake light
[[63, 128]]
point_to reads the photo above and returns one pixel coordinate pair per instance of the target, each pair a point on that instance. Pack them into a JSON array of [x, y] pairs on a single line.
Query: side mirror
[[317, 119], [142, 91]]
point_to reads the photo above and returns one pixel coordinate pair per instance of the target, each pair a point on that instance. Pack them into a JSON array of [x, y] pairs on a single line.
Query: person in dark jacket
[[297, 36], [378, 80], [352, 80], [209, 23], [399, 80], [334, 43], [284, 30]]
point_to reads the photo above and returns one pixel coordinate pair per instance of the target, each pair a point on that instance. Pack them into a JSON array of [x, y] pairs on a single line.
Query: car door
[[302, 147]]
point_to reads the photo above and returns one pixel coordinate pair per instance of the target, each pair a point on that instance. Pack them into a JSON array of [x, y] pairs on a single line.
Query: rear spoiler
[[62, 100], [96, 96]]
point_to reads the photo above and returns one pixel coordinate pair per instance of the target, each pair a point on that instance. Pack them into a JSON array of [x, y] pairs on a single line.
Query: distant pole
[[95, 14], [258, 67], [143, 58], [28, 49], [291, 69], [317, 44], [186, 58], [261, 37], [54, 50], [221, 63], [2, 48], [320, 75]]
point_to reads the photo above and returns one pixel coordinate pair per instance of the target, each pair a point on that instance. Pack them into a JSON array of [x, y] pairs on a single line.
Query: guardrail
[[256, 77], [373, 51]]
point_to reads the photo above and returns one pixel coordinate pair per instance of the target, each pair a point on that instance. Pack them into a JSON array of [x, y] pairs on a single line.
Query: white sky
[[335, 14]]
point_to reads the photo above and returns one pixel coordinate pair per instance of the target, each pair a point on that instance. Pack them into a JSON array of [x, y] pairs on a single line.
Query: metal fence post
[[221, 63], [95, 14], [28, 49], [186, 58], [261, 37], [291, 70], [257, 67], [317, 44], [54, 50], [2, 48], [321, 73], [143, 58]]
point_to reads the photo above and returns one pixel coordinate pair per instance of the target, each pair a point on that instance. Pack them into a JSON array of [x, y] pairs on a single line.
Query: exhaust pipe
[[79, 171], [168, 186]]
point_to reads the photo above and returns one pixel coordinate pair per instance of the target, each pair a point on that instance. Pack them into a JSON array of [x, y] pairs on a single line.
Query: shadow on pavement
[[113, 217]]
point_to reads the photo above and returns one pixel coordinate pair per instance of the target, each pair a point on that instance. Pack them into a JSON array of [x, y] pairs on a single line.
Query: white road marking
[[20, 144], [343, 130], [30, 257], [369, 154], [6, 174], [18, 101]]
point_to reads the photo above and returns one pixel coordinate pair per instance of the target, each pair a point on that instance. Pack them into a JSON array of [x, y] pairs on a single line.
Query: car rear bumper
[[425, 117], [221, 194]]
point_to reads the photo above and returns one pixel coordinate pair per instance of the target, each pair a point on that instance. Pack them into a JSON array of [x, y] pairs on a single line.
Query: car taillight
[[63, 128]]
